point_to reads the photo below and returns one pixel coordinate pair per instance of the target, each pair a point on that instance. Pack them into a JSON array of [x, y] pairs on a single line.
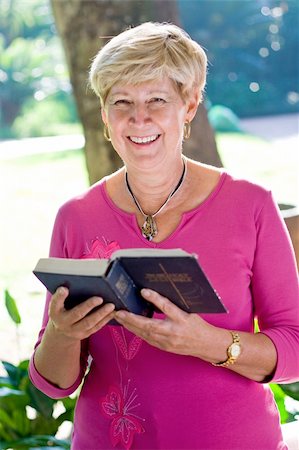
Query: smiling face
[[146, 121]]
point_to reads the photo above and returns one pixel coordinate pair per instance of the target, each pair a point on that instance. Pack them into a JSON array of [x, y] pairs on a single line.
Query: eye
[[157, 100], [122, 101]]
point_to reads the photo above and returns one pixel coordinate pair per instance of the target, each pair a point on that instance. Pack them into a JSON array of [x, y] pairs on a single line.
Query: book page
[[149, 252], [68, 266]]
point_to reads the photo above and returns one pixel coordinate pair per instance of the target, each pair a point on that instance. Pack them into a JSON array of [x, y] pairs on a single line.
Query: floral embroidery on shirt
[[119, 403], [128, 349], [125, 424], [101, 249]]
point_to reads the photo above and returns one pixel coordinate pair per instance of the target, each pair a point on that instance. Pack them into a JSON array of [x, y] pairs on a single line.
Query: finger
[[155, 332], [102, 322], [163, 304], [96, 320], [84, 309], [147, 328], [131, 319], [57, 300], [104, 313]]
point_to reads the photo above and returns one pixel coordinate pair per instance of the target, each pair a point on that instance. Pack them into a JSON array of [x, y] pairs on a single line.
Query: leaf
[[4, 435], [67, 416], [23, 365], [69, 402], [43, 425], [279, 397], [15, 373], [5, 381], [7, 420], [12, 308], [12, 398], [42, 442], [10, 369], [21, 421], [291, 389], [41, 402]]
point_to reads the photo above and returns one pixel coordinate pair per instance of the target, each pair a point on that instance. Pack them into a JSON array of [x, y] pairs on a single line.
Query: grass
[[33, 187], [274, 166]]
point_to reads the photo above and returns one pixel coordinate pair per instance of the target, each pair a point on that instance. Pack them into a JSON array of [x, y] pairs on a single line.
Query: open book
[[175, 274]]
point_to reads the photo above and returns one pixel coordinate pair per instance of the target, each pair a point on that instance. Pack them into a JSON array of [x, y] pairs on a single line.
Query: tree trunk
[[202, 144], [83, 25]]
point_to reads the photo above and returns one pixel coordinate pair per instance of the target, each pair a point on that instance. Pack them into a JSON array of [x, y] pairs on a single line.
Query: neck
[[149, 228], [152, 189]]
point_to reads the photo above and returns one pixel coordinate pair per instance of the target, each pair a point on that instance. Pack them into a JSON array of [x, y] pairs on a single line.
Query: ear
[[192, 105], [104, 116]]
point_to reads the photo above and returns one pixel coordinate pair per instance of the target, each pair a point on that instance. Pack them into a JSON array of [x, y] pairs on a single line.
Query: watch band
[[233, 351]]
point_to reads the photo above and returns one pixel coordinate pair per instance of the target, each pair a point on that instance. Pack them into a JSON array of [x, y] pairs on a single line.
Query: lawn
[[33, 187]]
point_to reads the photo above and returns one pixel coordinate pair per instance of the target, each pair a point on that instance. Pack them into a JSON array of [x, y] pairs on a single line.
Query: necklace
[[149, 229]]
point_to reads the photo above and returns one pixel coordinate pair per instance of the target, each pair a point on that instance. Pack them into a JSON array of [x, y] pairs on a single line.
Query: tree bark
[[83, 25]]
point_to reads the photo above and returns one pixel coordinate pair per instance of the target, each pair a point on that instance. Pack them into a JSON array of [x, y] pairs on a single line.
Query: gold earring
[[187, 130], [106, 133]]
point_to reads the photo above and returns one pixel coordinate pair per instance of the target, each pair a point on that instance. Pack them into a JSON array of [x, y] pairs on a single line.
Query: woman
[[178, 380]]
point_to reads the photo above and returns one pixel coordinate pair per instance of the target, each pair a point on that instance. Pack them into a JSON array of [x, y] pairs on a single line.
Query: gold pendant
[[149, 228]]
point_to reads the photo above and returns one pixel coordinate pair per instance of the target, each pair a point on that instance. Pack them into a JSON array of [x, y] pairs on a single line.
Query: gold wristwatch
[[233, 351]]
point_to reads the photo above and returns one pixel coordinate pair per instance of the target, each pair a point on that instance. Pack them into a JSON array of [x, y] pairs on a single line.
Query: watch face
[[235, 350]]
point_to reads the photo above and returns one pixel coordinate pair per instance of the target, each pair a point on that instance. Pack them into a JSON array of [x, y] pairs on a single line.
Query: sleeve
[[58, 249], [275, 290], [51, 390]]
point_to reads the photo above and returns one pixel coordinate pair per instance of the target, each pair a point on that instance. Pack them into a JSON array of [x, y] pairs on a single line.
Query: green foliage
[[18, 429], [40, 442], [291, 389], [32, 69], [12, 308], [223, 119], [281, 392], [43, 118], [251, 47], [279, 396], [25, 18]]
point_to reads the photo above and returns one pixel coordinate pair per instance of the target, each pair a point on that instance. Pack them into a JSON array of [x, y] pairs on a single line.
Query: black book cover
[[117, 288], [180, 279], [175, 274]]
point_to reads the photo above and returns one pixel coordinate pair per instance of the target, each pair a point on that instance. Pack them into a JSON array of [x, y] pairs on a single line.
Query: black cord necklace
[[149, 229]]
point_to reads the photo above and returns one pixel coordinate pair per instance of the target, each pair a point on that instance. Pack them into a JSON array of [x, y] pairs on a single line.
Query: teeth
[[144, 140]]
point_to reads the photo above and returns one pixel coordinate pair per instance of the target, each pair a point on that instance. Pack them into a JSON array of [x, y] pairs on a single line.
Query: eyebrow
[[156, 92]]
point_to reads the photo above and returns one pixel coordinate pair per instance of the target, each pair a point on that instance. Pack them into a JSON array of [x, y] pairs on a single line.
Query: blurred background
[[252, 48], [51, 144]]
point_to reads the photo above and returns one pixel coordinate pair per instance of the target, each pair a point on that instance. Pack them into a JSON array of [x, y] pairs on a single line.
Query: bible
[[175, 274]]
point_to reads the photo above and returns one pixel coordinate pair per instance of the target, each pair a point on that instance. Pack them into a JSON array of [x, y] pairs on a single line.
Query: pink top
[[136, 396]]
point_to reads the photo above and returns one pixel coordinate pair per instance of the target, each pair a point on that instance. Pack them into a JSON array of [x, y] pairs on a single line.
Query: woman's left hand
[[188, 334], [180, 332]]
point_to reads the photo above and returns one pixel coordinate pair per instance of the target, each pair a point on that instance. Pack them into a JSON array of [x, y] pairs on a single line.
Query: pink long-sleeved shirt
[[137, 396]]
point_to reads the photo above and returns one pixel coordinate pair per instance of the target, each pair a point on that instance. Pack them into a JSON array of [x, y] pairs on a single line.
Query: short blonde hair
[[150, 52]]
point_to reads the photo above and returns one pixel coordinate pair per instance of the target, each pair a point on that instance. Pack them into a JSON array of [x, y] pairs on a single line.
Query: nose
[[140, 114]]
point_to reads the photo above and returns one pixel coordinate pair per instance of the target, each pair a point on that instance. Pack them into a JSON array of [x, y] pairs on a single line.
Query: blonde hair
[[150, 52]]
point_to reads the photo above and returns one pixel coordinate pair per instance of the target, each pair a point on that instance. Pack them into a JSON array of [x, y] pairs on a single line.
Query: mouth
[[145, 139]]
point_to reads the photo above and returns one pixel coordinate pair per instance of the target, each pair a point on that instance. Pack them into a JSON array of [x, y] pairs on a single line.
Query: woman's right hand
[[79, 322]]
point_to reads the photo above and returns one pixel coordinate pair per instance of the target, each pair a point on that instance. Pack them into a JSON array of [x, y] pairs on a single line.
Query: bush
[[21, 427], [45, 117], [28, 418], [223, 119]]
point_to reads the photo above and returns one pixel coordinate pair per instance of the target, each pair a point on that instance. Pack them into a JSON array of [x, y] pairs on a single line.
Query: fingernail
[[145, 293], [61, 290], [120, 315], [111, 306]]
